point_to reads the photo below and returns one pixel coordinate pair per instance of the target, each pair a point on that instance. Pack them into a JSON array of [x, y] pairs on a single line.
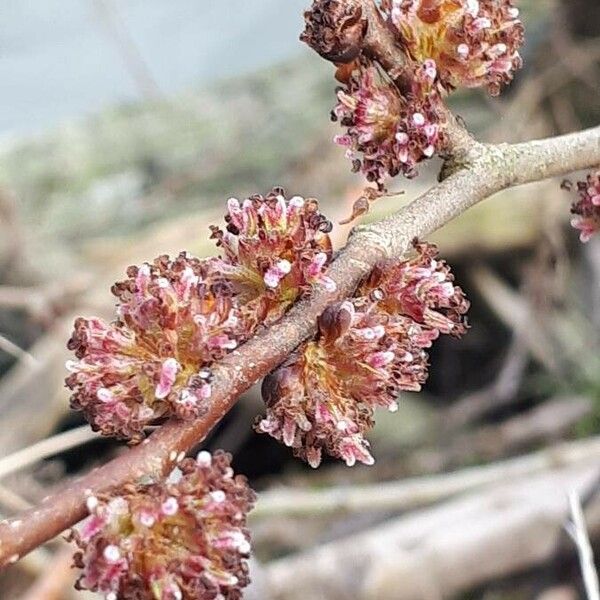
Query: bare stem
[[578, 531]]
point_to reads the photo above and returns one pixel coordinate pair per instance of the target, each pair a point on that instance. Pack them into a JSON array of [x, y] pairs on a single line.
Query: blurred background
[[126, 124]]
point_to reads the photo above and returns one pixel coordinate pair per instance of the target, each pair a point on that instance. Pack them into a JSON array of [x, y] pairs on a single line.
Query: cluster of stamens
[[368, 349], [474, 43], [180, 539], [175, 317], [393, 113], [586, 209], [387, 132]]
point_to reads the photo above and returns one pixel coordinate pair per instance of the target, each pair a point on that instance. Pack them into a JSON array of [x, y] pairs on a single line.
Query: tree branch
[[494, 168], [445, 550]]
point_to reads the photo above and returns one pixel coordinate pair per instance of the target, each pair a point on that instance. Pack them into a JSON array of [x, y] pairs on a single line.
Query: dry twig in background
[[412, 493], [578, 532]]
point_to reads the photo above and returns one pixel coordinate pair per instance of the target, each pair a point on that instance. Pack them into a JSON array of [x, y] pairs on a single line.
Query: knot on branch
[[335, 29]]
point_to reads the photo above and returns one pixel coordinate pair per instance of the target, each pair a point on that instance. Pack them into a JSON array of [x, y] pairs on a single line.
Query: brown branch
[[493, 169]]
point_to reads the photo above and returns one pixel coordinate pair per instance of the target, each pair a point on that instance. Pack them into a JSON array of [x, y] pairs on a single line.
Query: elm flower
[[173, 321], [368, 349], [473, 43], [421, 288], [389, 132], [274, 250], [176, 317], [586, 210], [183, 538]]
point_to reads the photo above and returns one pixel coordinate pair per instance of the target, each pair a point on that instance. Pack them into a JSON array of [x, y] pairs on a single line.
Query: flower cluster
[[274, 251], [175, 317], [474, 43], [388, 132], [180, 539], [586, 210], [367, 350], [391, 105]]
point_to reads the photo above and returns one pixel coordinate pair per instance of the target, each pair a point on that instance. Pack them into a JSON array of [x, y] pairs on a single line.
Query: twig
[[532, 92], [495, 169], [499, 393], [57, 577], [45, 448], [443, 551], [547, 422], [16, 351], [17, 297], [412, 493], [578, 532], [130, 53], [514, 310], [11, 500], [44, 301]]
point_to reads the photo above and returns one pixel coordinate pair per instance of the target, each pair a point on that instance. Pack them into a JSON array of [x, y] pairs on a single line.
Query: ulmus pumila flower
[[421, 288], [173, 321], [472, 42], [586, 210], [368, 349], [389, 132], [274, 251], [176, 317], [180, 539]]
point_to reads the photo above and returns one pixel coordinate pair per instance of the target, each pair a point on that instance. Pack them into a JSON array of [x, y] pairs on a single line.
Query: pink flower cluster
[[274, 250], [396, 119], [586, 210], [175, 317], [183, 538], [388, 132], [473, 43], [366, 352]]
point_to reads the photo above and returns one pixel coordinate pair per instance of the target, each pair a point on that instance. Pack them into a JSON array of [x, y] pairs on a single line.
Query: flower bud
[[335, 29]]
